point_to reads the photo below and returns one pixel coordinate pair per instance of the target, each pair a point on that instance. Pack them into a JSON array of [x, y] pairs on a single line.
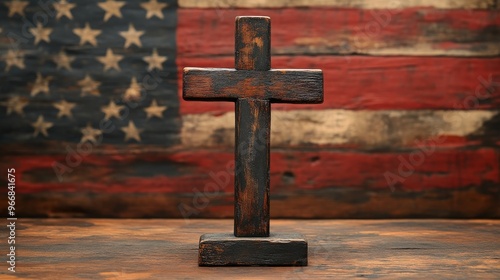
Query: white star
[[14, 58], [41, 85], [110, 60], [89, 86], [131, 132], [155, 61], [112, 110], [64, 108], [89, 134], [153, 8], [63, 9], [16, 7], [132, 36], [16, 104], [133, 92], [41, 126], [63, 60], [87, 34], [154, 110], [112, 8], [41, 33]]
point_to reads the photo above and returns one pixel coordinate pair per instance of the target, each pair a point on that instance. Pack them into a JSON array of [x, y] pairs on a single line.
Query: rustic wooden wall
[[410, 126]]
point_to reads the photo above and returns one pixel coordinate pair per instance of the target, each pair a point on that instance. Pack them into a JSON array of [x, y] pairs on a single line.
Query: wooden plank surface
[[335, 128], [293, 128], [397, 73], [167, 249], [315, 183], [365, 4], [347, 129], [183, 172], [348, 203], [379, 83], [332, 31], [86, 60]]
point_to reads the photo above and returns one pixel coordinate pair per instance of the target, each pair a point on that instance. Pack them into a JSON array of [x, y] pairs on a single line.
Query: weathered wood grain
[[323, 183], [277, 85], [160, 249], [388, 130], [252, 43], [381, 83], [279, 249], [253, 87], [337, 202], [252, 162], [363, 4], [129, 180], [212, 171], [160, 85], [332, 31], [155, 131]]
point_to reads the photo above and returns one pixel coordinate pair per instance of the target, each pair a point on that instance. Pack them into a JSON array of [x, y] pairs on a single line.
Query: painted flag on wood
[[93, 120]]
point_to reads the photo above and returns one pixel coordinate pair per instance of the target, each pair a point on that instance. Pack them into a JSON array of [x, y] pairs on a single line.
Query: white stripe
[[370, 129]]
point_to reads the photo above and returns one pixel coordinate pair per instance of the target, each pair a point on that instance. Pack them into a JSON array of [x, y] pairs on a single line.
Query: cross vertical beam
[[253, 43], [253, 122], [251, 182]]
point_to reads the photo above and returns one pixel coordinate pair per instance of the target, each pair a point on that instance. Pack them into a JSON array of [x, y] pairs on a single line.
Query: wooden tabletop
[[167, 249]]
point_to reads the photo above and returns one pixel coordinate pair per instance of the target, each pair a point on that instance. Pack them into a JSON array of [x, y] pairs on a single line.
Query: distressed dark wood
[[338, 249], [278, 85], [252, 162], [252, 41], [278, 249], [252, 86]]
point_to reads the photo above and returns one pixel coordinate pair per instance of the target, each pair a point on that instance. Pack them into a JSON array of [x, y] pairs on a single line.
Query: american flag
[[93, 121], [98, 71]]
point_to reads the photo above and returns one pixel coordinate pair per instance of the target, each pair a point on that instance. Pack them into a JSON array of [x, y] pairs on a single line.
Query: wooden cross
[[253, 86]]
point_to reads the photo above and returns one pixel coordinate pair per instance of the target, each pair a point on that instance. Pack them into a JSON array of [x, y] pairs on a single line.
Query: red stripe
[[189, 172], [211, 31], [365, 82]]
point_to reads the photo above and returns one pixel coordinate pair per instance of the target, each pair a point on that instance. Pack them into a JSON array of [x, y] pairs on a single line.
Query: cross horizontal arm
[[276, 85]]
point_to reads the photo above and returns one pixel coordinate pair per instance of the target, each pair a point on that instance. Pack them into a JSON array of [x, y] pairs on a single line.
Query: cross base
[[279, 249]]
